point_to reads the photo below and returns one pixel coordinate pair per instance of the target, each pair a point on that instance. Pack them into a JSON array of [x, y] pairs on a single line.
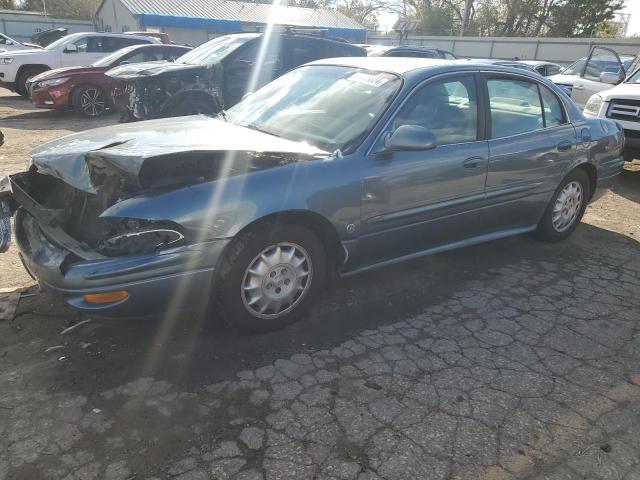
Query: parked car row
[[153, 79]]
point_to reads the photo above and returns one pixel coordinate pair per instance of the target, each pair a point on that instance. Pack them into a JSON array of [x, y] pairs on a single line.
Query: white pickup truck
[[622, 104], [73, 50]]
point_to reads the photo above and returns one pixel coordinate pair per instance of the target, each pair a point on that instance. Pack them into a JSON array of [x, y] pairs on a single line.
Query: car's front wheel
[[270, 276], [89, 100], [566, 208]]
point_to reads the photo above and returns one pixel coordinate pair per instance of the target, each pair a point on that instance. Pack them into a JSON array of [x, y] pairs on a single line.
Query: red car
[[87, 90]]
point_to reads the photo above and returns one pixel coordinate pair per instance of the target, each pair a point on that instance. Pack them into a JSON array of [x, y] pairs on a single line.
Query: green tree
[[7, 5], [582, 18], [79, 9]]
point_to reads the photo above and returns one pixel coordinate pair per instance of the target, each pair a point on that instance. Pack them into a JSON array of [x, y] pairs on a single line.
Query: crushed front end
[[113, 266]]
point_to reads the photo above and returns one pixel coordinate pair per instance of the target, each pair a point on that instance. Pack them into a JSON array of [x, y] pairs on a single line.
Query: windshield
[[216, 49], [330, 107], [575, 68], [57, 43], [114, 57], [635, 78]]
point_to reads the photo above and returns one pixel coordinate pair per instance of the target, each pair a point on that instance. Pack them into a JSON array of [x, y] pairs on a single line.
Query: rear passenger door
[[531, 144]]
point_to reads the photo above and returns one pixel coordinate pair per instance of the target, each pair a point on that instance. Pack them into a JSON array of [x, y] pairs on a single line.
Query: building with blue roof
[[197, 21]]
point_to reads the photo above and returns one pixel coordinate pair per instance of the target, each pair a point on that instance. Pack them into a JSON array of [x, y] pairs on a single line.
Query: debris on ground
[[9, 299], [74, 326]]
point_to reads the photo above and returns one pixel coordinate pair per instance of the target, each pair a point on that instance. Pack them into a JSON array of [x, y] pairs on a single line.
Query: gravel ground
[[512, 359]]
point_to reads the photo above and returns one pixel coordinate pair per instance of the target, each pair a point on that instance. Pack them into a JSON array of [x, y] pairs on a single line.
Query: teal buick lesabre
[[338, 166]]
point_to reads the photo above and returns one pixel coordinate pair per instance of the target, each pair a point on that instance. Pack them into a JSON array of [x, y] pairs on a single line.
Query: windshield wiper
[[253, 126]]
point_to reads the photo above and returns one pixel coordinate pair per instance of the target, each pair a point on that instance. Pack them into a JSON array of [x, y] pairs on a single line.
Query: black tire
[[242, 252], [193, 106], [26, 74], [89, 101], [546, 230]]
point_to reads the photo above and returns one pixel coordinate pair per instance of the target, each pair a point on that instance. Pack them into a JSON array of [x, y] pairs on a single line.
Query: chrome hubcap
[[567, 206], [277, 280], [92, 102]]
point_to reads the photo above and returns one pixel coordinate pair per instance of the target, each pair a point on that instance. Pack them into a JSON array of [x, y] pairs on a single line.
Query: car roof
[[402, 65], [398, 65], [107, 34], [535, 62]]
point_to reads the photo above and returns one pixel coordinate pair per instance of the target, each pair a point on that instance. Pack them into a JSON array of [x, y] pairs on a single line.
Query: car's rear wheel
[[269, 277], [25, 75], [566, 208], [89, 100]]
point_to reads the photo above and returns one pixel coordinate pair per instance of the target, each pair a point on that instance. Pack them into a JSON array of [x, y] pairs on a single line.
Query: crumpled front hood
[[151, 69], [126, 147]]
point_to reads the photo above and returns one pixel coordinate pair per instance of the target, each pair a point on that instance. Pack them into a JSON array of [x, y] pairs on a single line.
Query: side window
[[553, 112], [153, 55], [303, 51], [137, 57], [515, 107], [96, 45], [173, 53], [448, 108], [82, 44]]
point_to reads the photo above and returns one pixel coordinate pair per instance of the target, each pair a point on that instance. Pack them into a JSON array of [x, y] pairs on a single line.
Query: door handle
[[472, 162], [564, 146], [578, 87]]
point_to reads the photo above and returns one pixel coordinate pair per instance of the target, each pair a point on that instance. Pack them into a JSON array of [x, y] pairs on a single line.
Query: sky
[[633, 7], [387, 20]]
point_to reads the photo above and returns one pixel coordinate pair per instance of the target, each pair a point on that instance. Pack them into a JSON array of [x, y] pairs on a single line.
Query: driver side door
[[414, 200]]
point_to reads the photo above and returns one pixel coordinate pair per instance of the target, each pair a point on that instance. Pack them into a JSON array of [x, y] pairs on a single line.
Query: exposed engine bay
[[173, 92]]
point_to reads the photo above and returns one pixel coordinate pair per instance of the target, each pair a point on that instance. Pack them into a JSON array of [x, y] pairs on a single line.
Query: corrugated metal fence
[[21, 25], [560, 50]]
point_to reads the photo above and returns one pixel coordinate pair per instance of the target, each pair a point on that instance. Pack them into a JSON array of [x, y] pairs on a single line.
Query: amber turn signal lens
[[107, 297]]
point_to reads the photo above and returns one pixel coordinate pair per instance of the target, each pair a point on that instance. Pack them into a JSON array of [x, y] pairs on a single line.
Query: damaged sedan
[[337, 167], [217, 74]]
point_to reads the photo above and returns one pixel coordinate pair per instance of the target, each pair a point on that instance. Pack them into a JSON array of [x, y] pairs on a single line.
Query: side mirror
[[9, 42], [71, 48], [611, 77], [411, 137]]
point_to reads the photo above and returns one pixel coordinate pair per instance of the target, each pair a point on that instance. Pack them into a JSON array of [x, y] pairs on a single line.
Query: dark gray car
[[336, 167]]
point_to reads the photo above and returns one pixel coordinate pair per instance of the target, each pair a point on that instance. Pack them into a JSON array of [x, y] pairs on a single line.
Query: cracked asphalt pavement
[[512, 359]]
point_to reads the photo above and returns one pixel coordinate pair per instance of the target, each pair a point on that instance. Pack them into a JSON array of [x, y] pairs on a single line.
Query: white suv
[[622, 104], [73, 50]]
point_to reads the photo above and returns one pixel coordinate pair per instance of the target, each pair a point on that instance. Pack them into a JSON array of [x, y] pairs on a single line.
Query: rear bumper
[[171, 279], [607, 176]]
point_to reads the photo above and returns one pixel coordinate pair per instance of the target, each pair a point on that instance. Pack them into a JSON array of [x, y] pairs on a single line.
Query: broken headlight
[[141, 237]]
